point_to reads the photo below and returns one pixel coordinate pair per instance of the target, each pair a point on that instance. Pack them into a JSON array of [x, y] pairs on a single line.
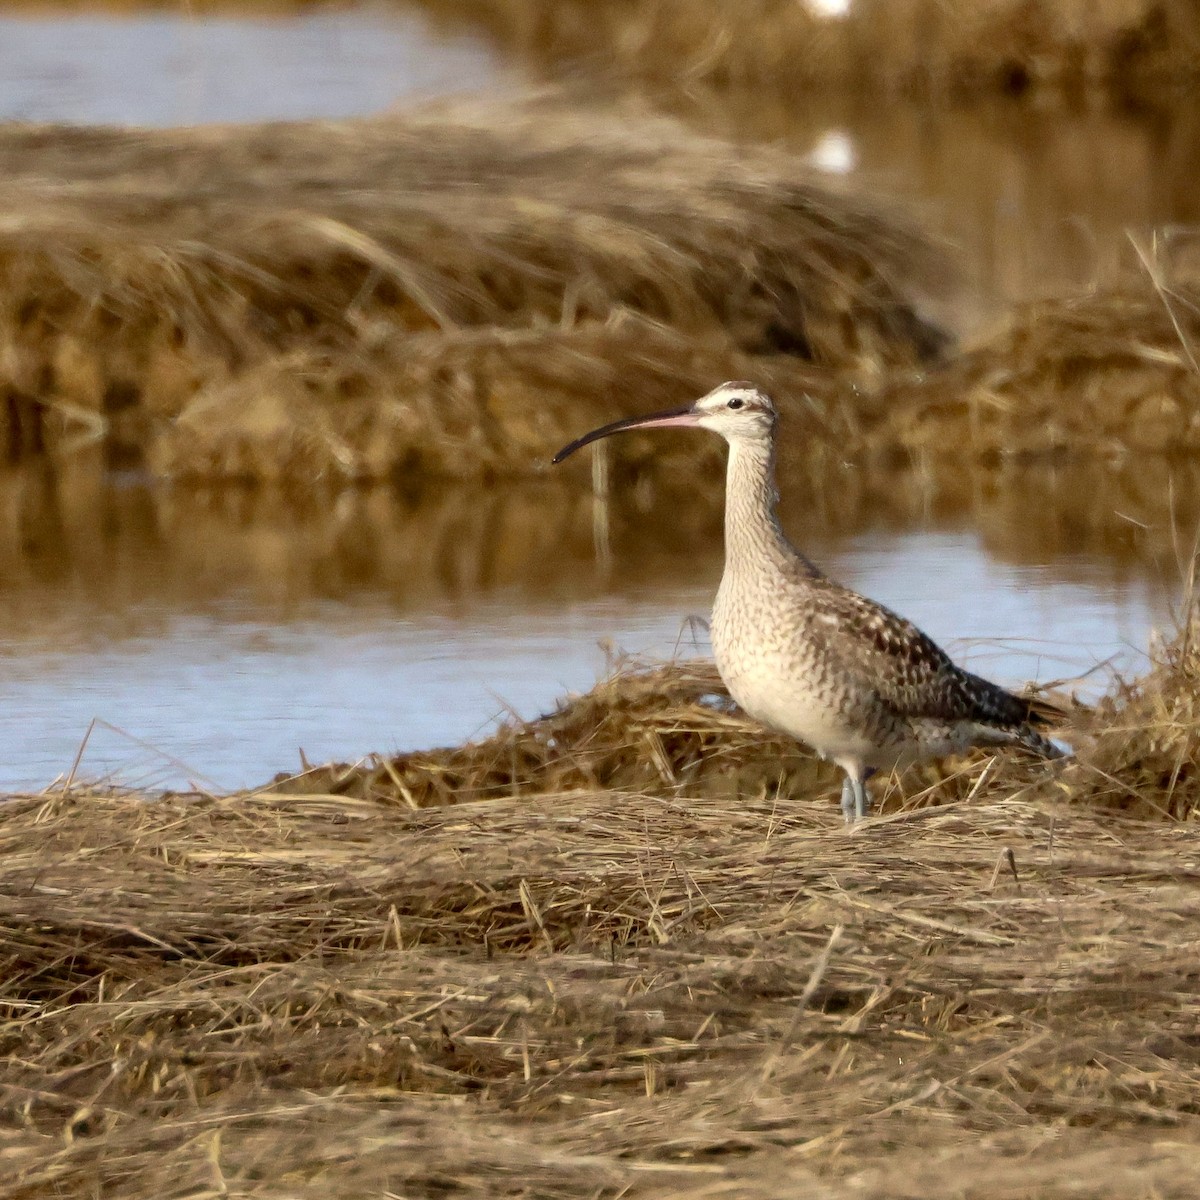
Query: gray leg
[[849, 800], [862, 802]]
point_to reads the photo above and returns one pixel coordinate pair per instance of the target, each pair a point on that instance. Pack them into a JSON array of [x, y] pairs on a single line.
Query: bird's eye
[[736, 402]]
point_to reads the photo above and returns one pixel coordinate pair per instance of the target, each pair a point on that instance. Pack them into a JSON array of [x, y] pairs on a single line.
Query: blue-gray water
[[168, 68], [227, 691]]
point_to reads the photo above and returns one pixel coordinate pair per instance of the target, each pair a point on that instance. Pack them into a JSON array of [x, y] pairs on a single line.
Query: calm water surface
[[226, 690], [169, 68]]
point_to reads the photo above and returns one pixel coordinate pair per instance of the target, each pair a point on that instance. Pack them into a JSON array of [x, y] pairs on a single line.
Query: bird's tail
[[1041, 713], [1043, 747]]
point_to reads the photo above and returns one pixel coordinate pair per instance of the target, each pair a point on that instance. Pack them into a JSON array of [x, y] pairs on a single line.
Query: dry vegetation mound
[[1106, 375], [452, 292], [671, 730], [665, 730], [594, 994]]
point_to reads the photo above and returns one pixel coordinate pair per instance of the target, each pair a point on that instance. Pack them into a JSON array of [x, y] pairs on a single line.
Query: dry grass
[[652, 964], [1106, 375], [1144, 740], [1099, 385], [438, 292], [661, 729], [951, 48], [450, 295]]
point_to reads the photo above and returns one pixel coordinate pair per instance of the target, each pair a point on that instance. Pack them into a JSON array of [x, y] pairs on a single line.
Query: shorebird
[[803, 654]]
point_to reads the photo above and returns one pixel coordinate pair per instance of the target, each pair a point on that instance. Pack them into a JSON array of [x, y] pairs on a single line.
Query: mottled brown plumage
[[808, 656]]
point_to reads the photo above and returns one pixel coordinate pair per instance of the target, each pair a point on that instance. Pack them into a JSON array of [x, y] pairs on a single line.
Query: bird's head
[[739, 412]]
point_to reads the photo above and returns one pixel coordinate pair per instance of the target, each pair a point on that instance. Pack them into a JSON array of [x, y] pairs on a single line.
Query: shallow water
[[214, 648], [169, 68]]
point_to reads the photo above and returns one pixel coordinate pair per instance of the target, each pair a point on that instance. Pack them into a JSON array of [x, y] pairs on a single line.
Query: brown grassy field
[[627, 950], [949, 49], [1094, 383], [1106, 375]]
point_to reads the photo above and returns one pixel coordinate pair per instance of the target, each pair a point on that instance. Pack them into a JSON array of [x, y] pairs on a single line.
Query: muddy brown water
[[212, 637]]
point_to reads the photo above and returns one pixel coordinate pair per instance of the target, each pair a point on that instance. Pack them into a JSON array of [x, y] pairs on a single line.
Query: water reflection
[[230, 629], [69, 530]]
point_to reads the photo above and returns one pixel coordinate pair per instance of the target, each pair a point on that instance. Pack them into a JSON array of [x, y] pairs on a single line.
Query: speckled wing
[[881, 654]]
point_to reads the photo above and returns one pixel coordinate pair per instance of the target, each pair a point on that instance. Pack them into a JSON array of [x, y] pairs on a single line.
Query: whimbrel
[[805, 655]]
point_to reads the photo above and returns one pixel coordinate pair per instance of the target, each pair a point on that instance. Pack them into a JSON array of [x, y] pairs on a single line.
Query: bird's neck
[[754, 539]]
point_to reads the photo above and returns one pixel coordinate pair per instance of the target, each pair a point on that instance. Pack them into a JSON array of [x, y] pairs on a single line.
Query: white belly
[[769, 693], [765, 666]]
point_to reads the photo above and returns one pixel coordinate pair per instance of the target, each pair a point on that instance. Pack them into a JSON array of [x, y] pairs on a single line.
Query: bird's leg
[[849, 800], [862, 802], [855, 801]]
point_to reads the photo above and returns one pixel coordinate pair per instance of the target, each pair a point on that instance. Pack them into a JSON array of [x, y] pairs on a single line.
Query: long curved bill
[[672, 417]]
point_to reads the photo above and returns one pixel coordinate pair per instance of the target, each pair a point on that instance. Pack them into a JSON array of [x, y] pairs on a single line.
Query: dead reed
[[1098, 385], [654, 729], [436, 292], [579, 993], [1106, 375], [450, 295]]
